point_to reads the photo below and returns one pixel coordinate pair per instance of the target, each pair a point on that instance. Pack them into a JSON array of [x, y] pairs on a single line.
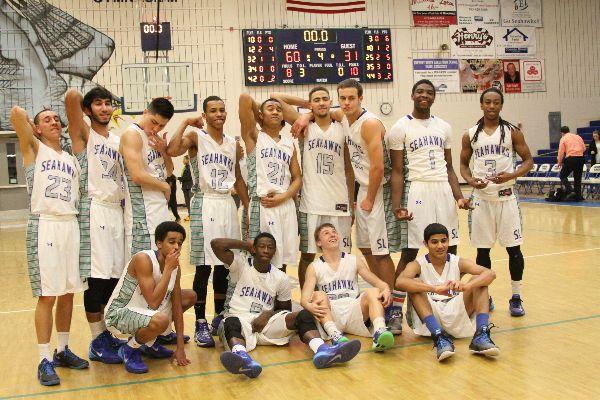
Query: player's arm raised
[[466, 153], [384, 290], [290, 113], [372, 134], [520, 146], [153, 292], [177, 312], [248, 113], [222, 248], [240, 186], [181, 142], [23, 126], [481, 276], [453, 181], [77, 127]]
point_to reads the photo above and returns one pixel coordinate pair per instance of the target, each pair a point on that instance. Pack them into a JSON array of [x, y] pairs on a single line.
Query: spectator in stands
[[186, 183], [570, 157], [594, 148]]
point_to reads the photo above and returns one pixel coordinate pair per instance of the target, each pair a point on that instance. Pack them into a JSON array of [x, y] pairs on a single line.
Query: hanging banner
[[515, 42], [533, 76], [476, 75], [443, 73], [472, 41], [512, 76], [433, 12], [483, 12], [521, 12]]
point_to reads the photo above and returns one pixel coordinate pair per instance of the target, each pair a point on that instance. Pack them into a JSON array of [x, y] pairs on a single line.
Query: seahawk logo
[[481, 38]]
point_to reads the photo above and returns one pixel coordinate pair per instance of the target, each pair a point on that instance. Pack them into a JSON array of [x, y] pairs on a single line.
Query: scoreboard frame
[[316, 56]]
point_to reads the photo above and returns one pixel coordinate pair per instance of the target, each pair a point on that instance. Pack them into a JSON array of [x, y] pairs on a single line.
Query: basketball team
[[99, 224]]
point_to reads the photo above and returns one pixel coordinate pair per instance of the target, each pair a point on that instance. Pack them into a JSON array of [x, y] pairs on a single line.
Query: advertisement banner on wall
[[521, 12], [433, 12], [472, 41], [515, 42], [512, 76], [533, 76], [442, 72], [470, 12], [477, 74]]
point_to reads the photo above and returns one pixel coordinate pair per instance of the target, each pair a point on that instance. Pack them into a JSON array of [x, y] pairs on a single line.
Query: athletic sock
[[482, 319], [378, 323], [315, 343], [432, 324], [63, 341], [97, 328], [332, 330], [238, 347], [44, 349], [398, 297], [133, 343], [200, 310], [516, 287]]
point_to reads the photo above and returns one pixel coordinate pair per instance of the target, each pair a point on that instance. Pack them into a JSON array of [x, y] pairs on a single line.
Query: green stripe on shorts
[[254, 223], [303, 227], [197, 230], [140, 234], [85, 247], [119, 316], [396, 240], [31, 239]]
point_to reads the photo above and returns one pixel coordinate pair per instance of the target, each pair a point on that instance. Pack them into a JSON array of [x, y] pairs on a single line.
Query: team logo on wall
[[472, 41]]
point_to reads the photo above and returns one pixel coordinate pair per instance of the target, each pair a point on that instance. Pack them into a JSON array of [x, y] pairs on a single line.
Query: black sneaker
[[67, 358], [46, 374], [443, 345]]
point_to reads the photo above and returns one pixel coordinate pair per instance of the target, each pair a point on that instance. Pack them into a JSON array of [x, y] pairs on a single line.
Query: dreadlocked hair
[[503, 124]]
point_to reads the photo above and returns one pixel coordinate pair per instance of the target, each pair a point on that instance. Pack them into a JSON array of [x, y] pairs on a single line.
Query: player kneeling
[[146, 299], [440, 304], [338, 304], [260, 309]]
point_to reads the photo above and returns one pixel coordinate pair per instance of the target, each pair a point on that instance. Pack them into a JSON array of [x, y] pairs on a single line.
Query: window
[[11, 161]]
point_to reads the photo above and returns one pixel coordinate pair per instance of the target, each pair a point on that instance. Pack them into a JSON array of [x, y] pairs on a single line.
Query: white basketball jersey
[[256, 292], [273, 160], [359, 154], [54, 186], [489, 159], [341, 283], [324, 189], [429, 275], [127, 293], [216, 163], [105, 167], [424, 143]]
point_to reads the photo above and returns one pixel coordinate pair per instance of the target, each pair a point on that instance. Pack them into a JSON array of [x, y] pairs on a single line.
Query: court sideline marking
[[276, 364]]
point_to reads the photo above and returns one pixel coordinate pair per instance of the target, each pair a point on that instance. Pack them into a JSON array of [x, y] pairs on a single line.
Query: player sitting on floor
[[260, 309], [338, 304], [440, 304]]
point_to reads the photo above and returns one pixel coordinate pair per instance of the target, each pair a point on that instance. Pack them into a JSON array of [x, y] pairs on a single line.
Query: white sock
[[133, 343], [378, 323], [516, 287], [63, 341], [238, 347], [44, 349], [332, 330], [97, 328], [315, 343]]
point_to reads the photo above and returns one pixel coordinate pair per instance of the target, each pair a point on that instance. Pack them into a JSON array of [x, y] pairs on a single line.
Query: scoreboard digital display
[[313, 56]]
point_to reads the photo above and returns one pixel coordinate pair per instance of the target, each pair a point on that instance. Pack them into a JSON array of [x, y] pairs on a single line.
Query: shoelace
[[487, 331], [516, 302], [442, 339], [70, 356], [48, 368]]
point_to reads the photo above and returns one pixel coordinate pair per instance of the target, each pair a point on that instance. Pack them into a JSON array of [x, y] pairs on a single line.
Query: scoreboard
[[312, 56]]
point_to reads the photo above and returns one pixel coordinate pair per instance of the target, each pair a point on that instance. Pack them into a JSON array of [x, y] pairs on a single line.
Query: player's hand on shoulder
[[403, 214], [181, 358]]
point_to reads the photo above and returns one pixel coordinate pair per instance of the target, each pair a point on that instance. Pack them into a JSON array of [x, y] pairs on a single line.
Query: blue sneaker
[[102, 349], [240, 363], [444, 345], [132, 359], [482, 342], [492, 306], [341, 339], [515, 305], [382, 340], [171, 338], [156, 351], [327, 355], [47, 374], [202, 337], [214, 325], [394, 321], [68, 359]]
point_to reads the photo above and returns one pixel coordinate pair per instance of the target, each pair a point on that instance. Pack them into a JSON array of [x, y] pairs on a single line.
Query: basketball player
[[52, 235], [148, 297], [496, 214], [327, 176], [377, 230], [440, 304], [102, 252], [147, 166], [338, 304], [274, 176], [260, 309], [213, 211], [421, 142]]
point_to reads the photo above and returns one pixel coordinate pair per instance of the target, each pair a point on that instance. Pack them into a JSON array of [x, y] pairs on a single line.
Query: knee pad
[[232, 327], [483, 258], [452, 249], [305, 322], [408, 255], [516, 263], [220, 279], [201, 282]]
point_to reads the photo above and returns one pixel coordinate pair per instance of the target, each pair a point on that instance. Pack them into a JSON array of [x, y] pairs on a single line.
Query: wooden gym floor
[[548, 354]]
